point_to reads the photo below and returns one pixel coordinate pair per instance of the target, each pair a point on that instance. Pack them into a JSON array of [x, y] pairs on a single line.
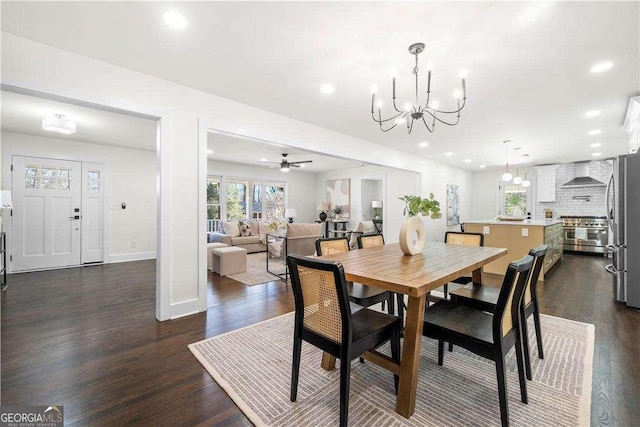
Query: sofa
[[301, 240], [249, 235]]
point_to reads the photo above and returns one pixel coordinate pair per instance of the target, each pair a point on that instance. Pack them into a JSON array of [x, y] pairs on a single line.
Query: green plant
[[337, 209], [415, 205], [275, 225]]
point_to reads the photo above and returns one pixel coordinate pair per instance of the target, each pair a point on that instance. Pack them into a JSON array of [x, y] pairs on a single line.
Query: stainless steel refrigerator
[[623, 209]]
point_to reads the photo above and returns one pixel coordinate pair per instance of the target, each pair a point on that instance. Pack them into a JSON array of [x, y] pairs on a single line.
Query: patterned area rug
[[462, 392], [256, 273]]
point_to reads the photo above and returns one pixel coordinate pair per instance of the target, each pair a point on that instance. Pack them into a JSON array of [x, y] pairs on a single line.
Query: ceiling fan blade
[[269, 163], [300, 162], [293, 165]]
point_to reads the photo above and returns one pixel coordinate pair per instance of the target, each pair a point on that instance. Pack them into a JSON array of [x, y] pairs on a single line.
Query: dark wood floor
[[87, 339]]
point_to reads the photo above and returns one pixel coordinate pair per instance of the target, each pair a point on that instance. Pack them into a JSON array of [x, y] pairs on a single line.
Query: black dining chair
[[363, 295], [485, 298], [375, 240], [488, 335], [323, 318], [465, 239]]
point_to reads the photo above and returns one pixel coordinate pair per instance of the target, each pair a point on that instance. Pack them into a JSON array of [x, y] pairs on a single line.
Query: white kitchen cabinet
[[546, 183]]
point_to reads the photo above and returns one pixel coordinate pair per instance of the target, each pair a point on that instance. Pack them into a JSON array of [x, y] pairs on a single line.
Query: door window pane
[[31, 176], [236, 200], [274, 201], [93, 180], [256, 200]]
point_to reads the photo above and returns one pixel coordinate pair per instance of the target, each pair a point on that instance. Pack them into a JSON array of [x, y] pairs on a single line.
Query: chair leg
[[440, 352], [392, 310], [536, 321], [521, 368], [450, 347], [446, 290], [395, 353], [295, 367], [345, 376], [401, 308], [524, 336], [502, 389]]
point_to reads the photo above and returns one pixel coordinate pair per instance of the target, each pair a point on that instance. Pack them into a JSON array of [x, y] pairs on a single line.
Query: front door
[[46, 218]]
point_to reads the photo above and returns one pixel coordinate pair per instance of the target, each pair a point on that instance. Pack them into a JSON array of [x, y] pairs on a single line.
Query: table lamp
[[290, 213], [322, 207], [377, 207]]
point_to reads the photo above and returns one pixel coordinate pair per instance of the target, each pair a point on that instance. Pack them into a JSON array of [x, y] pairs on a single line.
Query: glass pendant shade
[[517, 180], [526, 183], [506, 177]]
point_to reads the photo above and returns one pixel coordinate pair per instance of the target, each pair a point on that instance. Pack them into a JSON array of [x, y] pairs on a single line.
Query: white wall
[[484, 199], [40, 67], [398, 183], [298, 184], [132, 179]]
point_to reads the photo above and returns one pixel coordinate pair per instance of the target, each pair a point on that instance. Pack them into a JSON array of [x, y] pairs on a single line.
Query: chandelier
[[416, 112]]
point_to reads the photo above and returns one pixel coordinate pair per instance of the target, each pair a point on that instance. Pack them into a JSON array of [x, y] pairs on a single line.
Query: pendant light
[[506, 176], [517, 180], [526, 183]]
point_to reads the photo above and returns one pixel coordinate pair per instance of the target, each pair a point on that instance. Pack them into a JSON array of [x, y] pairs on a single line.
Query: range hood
[[582, 178]]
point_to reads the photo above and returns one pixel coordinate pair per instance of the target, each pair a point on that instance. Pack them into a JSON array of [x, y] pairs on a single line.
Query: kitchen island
[[518, 237]]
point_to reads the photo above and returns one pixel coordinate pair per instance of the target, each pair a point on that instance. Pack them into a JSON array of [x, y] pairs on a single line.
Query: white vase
[[412, 235]]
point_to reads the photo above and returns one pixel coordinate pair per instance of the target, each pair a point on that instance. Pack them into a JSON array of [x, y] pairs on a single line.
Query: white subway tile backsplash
[[565, 203]]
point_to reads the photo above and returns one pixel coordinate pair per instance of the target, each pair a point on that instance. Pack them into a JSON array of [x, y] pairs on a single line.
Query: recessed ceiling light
[[483, 166], [448, 153], [210, 151], [595, 132], [596, 154], [327, 89], [603, 66], [467, 160], [175, 19], [595, 144], [592, 113], [423, 144]]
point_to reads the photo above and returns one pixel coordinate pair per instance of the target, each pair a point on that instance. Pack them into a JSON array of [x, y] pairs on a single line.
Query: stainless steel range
[[585, 234]]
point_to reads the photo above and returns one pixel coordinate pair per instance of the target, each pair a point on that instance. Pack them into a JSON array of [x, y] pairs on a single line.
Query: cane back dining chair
[[460, 238], [485, 298], [489, 336], [363, 295], [323, 318]]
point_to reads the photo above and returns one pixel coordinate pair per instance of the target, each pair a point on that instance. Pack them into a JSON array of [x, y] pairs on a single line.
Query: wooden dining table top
[[414, 275]]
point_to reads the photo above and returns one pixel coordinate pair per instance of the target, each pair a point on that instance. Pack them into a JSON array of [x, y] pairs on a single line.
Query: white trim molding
[[135, 256]]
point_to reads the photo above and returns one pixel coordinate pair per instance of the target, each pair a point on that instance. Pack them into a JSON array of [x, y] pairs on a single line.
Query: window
[[213, 204], [47, 177], [256, 200], [515, 200], [236, 199], [93, 179], [274, 196]]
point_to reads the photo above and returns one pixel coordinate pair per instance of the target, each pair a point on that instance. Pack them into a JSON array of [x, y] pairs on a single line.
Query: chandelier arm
[[426, 125], [396, 108], [453, 111], [442, 121], [386, 120], [387, 130]]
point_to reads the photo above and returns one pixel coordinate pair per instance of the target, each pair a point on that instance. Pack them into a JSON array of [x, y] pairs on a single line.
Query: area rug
[[256, 273], [253, 365]]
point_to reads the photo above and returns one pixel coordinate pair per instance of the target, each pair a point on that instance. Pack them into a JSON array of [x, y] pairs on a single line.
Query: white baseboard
[[186, 308], [136, 256]]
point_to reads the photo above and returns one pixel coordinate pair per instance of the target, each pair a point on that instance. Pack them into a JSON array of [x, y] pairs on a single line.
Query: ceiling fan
[[285, 165]]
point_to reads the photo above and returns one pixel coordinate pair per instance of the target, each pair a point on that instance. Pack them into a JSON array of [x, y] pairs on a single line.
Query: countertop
[[529, 222]]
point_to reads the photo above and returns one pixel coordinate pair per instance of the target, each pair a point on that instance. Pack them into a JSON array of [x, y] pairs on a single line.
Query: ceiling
[[24, 114], [528, 64], [246, 151]]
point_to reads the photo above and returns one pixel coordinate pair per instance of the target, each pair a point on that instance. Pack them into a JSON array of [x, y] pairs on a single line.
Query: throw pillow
[[231, 228], [245, 229]]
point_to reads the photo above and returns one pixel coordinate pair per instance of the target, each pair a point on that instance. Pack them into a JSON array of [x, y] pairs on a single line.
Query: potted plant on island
[[412, 224]]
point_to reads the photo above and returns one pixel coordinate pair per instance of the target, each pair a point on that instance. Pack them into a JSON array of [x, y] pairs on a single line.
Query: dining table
[[415, 276]]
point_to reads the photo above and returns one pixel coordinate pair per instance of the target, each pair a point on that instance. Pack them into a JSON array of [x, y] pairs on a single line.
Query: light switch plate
[[525, 232], [485, 229]]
